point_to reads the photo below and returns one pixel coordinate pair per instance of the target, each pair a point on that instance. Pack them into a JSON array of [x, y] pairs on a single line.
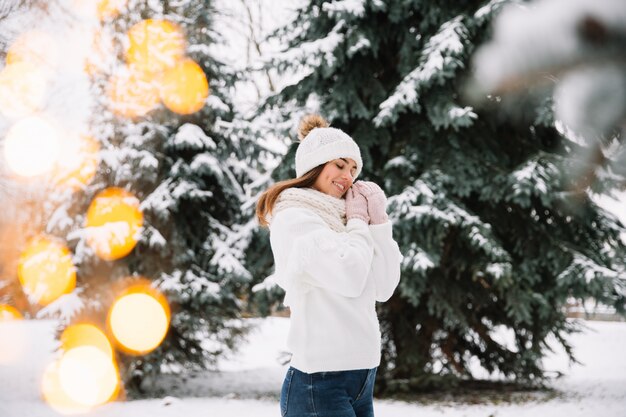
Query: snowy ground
[[249, 384]]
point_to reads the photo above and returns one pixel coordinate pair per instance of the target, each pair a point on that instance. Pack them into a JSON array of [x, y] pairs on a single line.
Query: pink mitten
[[376, 201], [356, 206]]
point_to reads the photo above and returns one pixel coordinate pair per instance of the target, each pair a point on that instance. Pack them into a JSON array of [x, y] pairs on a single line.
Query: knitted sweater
[[332, 282]]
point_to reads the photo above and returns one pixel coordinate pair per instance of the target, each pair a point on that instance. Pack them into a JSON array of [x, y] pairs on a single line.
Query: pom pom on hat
[[310, 122], [320, 144]]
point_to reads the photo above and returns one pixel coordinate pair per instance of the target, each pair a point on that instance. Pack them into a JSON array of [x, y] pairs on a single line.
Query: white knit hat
[[324, 144]]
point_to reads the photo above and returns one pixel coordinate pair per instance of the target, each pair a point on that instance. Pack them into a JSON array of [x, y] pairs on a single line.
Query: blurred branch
[[606, 47], [8, 7], [253, 39]]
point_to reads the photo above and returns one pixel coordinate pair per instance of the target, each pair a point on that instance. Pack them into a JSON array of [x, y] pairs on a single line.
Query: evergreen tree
[[496, 235], [190, 173]]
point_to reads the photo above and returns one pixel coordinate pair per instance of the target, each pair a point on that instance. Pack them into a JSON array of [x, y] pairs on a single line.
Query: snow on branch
[[314, 54], [488, 10], [345, 8], [440, 60], [418, 204], [586, 268], [418, 260], [63, 308], [534, 177], [191, 137], [445, 113]]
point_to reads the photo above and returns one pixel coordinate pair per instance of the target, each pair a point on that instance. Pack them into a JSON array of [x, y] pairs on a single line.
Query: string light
[[155, 45], [113, 223], [88, 376], [184, 88], [46, 270], [139, 319], [85, 334], [9, 313], [23, 88]]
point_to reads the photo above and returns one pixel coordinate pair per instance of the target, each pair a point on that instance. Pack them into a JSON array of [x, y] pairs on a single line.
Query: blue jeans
[[328, 394]]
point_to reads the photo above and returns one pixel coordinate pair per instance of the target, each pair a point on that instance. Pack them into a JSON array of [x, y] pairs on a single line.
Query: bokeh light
[[34, 47], [88, 376], [79, 163], [54, 395], [155, 45], [108, 9], [85, 334], [31, 146], [133, 93], [23, 88], [46, 270], [139, 319], [8, 313], [113, 223], [184, 87]]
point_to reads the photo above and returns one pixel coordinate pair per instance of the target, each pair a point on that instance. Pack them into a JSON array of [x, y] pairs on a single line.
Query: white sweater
[[332, 282]]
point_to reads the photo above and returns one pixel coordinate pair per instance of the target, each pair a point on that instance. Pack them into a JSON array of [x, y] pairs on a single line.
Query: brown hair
[[266, 202]]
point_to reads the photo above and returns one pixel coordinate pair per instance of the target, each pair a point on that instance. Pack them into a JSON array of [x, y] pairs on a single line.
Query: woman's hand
[[356, 205], [376, 201]]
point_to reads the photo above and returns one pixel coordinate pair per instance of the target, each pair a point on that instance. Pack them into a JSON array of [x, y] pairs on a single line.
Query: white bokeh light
[[31, 146], [88, 376]]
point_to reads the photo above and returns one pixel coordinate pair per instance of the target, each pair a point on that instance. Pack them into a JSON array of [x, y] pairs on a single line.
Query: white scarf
[[329, 208]]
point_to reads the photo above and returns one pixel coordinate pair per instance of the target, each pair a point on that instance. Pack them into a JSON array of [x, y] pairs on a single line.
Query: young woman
[[334, 256]]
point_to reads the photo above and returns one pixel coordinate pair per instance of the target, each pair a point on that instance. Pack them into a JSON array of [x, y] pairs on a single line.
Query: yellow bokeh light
[[108, 9], [155, 45], [8, 313], [54, 395], [79, 163], [34, 47], [113, 223], [88, 376], [133, 93], [31, 146], [184, 87], [85, 334], [23, 88], [139, 320], [45, 270]]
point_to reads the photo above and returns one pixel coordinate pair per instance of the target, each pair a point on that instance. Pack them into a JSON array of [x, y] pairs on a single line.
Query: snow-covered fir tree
[[496, 235], [25, 201], [190, 173]]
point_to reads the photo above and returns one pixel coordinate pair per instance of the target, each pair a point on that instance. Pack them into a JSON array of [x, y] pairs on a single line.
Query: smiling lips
[[340, 186]]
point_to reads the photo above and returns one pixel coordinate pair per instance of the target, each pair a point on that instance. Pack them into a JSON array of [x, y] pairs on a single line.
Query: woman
[[334, 256]]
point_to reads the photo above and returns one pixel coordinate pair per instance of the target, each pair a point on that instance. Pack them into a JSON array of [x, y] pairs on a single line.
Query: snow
[[353, 7], [440, 53], [64, 308], [590, 269], [315, 53], [191, 137], [248, 384]]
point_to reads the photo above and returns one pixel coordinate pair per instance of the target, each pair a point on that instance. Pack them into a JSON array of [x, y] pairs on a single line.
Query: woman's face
[[336, 177]]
